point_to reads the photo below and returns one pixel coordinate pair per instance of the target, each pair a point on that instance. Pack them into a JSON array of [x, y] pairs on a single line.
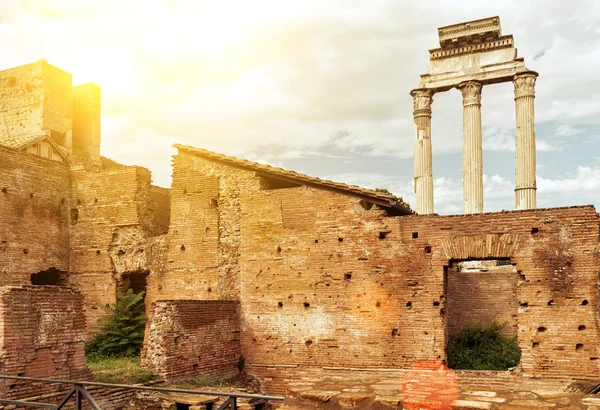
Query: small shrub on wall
[[121, 332], [482, 347]]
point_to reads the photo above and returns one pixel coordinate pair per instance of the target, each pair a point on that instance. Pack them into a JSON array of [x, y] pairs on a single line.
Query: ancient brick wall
[[193, 338], [36, 99], [42, 333], [112, 230], [347, 290], [34, 221]]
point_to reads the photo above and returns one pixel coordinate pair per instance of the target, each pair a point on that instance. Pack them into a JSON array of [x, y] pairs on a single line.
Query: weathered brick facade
[[193, 338], [42, 335]]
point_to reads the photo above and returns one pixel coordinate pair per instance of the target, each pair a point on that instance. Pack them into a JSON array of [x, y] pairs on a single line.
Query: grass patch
[[202, 382], [120, 370], [482, 347]]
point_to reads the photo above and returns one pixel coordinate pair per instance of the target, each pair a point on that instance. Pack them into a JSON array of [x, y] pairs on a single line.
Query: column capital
[[525, 84], [422, 99], [471, 92]]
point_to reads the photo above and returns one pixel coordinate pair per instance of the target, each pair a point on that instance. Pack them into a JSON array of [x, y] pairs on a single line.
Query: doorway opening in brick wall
[[481, 311], [136, 281], [51, 276]]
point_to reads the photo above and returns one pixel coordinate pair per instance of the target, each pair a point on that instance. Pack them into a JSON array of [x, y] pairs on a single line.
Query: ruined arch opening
[[51, 277], [481, 304]]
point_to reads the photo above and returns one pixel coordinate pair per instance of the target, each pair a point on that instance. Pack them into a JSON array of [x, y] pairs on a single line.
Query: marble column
[[423, 176], [525, 189], [472, 148]]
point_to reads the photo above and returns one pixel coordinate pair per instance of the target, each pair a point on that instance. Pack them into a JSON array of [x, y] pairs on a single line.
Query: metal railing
[[79, 393]]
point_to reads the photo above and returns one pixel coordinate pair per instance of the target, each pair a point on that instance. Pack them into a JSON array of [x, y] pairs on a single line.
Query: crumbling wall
[[42, 335], [112, 231], [34, 216], [193, 338], [36, 99], [353, 290]]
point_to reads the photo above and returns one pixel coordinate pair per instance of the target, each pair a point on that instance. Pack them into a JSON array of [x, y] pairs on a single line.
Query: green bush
[[482, 347], [121, 332]]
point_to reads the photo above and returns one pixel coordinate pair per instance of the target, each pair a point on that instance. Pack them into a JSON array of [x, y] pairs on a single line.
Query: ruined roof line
[[385, 200]]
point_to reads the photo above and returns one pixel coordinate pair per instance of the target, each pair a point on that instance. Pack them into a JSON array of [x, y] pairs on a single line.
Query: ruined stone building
[[300, 276]]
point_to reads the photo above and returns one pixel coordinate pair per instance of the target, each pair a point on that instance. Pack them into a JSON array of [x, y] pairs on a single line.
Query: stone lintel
[[491, 74], [470, 48], [470, 32]]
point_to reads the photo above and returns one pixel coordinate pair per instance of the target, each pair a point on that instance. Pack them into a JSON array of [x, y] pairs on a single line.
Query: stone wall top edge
[[588, 208], [195, 301], [39, 289]]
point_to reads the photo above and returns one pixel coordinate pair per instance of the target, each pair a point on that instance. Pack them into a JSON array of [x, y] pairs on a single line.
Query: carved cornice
[[470, 32], [471, 92], [499, 44], [422, 100], [525, 84]]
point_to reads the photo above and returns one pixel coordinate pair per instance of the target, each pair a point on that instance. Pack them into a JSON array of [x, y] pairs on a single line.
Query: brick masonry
[[42, 335], [326, 284], [193, 338]]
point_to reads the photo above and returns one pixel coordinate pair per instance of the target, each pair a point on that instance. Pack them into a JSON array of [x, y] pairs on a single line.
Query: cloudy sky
[[321, 87]]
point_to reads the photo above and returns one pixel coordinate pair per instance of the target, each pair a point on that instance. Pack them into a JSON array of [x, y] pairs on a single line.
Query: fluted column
[[423, 176], [525, 189], [472, 148]]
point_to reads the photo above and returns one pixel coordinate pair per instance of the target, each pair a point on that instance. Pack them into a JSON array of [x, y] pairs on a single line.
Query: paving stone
[[532, 403], [350, 399], [590, 401], [318, 396], [471, 404], [389, 401]]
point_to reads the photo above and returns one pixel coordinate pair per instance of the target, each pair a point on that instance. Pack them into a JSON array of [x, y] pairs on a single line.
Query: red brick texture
[[193, 338], [34, 216], [42, 335], [324, 283]]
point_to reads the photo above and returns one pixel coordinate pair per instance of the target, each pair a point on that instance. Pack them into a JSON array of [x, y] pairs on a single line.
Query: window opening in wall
[[481, 314], [136, 281], [52, 277], [267, 183]]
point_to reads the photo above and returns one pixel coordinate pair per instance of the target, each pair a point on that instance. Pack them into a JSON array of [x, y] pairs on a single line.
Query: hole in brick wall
[[194, 367], [121, 252], [366, 205], [394, 332], [95, 200], [31, 195], [347, 276], [584, 302], [415, 235], [184, 191], [74, 215], [267, 183], [524, 304], [550, 302], [535, 345], [593, 358], [214, 203], [209, 290], [306, 304], [436, 303], [579, 346], [280, 304], [378, 304], [52, 277], [62, 201], [4, 190], [136, 281], [206, 230], [98, 252], [182, 248], [383, 235], [581, 327], [541, 329], [25, 251], [79, 202], [308, 342], [316, 241], [177, 339], [408, 304], [534, 231], [427, 249], [340, 239], [279, 249]]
